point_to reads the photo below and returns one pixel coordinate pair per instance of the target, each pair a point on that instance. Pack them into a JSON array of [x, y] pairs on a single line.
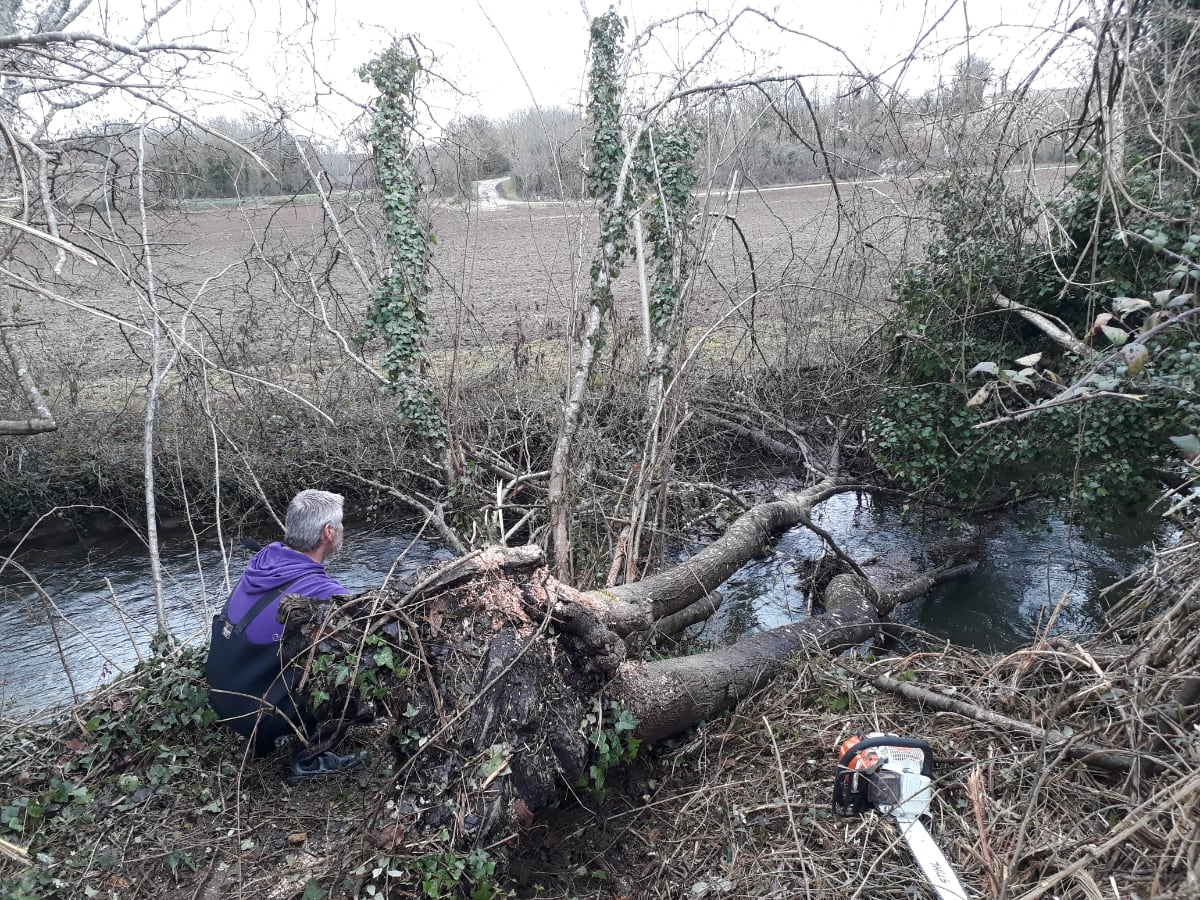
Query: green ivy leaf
[[1188, 443], [1115, 335]]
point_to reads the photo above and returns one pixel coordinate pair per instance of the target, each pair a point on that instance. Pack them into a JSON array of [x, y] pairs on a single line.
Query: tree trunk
[[679, 587], [158, 371], [668, 696], [43, 420], [498, 679]]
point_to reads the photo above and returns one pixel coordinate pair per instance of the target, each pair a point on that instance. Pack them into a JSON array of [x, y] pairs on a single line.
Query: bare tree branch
[[1059, 334], [44, 419], [46, 38]]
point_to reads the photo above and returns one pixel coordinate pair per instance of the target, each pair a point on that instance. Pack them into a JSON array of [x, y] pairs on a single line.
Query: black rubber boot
[[313, 765]]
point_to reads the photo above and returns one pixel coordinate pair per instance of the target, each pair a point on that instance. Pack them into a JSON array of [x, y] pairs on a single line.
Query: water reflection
[[1034, 581], [1029, 570], [92, 611]]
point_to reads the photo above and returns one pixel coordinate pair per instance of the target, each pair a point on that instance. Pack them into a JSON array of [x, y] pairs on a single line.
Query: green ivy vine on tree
[[607, 158], [666, 173], [662, 176], [395, 313]]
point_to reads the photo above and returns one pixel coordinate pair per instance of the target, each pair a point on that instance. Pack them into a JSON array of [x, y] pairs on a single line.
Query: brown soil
[[237, 281], [500, 271]]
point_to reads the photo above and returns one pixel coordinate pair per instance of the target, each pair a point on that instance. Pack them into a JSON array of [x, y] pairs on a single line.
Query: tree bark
[[1057, 333], [677, 588], [700, 611], [668, 696], [1110, 758], [44, 419], [759, 438], [26, 427], [509, 675], [158, 372]]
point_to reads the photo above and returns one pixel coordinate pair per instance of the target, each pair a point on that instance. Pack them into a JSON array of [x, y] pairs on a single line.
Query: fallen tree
[[503, 684], [136, 791]]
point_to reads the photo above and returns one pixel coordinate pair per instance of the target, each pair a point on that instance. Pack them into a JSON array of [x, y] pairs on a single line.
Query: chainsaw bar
[[894, 775], [932, 860]]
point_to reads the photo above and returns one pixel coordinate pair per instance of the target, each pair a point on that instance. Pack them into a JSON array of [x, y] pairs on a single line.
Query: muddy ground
[[271, 286], [236, 281]]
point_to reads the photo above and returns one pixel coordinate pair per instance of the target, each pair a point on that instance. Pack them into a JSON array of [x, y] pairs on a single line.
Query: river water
[[85, 612], [1030, 567], [91, 613]]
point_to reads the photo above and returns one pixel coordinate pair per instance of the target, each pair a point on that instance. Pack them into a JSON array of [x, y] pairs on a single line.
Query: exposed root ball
[[485, 703]]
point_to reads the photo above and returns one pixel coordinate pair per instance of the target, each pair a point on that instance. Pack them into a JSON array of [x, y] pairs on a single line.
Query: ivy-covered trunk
[[666, 176], [396, 313], [641, 174], [608, 183]]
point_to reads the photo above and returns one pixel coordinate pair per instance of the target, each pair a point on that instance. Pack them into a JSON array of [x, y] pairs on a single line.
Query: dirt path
[[489, 192]]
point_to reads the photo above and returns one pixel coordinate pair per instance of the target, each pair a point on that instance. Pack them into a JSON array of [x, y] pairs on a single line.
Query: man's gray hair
[[308, 513]]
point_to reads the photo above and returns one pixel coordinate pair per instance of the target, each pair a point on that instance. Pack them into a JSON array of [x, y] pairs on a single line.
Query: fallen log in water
[[488, 668]]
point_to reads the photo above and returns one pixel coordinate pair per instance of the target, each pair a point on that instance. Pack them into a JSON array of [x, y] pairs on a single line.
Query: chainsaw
[[895, 775]]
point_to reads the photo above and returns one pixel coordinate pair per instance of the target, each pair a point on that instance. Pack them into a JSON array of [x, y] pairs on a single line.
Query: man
[[250, 683]]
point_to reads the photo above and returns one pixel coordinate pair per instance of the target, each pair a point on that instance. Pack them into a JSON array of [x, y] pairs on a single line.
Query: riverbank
[[76, 615], [136, 794], [81, 607]]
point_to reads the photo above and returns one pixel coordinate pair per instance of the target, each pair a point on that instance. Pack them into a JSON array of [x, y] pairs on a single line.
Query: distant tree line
[[778, 133], [774, 132], [540, 149], [220, 159]]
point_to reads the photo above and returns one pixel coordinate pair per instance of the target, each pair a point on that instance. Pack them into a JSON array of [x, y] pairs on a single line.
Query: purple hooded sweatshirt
[[272, 566]]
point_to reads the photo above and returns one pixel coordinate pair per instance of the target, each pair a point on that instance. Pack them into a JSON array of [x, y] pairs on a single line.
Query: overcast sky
[[504, 55]]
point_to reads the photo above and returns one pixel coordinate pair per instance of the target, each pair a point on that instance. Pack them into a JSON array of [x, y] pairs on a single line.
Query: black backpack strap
[[231, 630]]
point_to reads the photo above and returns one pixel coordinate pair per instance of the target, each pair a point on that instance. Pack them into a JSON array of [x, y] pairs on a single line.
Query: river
[[90, 615], [101, 597], [1030, 567]]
